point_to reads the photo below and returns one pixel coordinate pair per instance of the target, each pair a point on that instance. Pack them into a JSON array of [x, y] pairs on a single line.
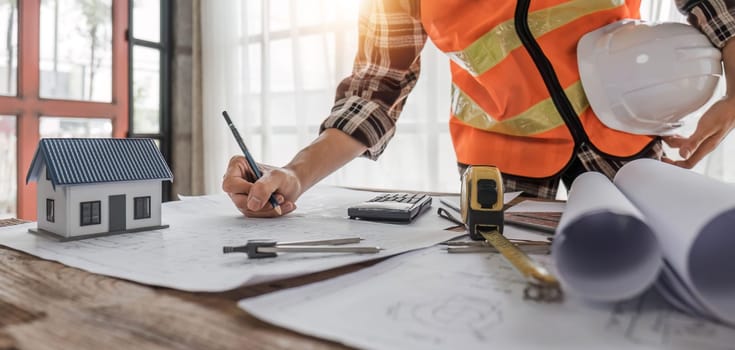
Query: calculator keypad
[[392, 207], [399, 197]]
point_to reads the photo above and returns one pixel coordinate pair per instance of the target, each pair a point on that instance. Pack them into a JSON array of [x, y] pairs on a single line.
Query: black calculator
[[393, 207]]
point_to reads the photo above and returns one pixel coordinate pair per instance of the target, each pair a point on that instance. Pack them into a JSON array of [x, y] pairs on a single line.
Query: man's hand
[[714, 125], [712, 128], [331, 150], [251, 197]]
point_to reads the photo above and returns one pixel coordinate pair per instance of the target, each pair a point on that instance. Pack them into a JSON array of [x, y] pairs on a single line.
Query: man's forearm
[[329, 152]]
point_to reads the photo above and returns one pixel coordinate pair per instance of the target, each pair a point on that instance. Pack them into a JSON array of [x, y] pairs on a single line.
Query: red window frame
[[28, 107]]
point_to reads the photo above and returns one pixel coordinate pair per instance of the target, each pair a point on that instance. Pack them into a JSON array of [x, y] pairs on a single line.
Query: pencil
[[249, 158]]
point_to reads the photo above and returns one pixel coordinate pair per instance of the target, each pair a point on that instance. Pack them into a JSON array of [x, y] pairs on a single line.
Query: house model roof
[[72, 161]]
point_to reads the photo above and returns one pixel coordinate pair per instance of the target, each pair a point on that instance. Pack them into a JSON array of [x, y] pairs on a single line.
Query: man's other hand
[[712, 128]]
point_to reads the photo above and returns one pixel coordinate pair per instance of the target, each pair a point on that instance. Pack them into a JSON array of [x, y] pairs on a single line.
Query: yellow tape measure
[[482, 211]]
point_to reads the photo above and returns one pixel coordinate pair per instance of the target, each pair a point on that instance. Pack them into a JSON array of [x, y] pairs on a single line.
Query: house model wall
[[93, 187]]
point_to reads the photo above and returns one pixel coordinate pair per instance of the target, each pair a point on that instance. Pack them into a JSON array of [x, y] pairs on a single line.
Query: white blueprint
[[188, 255], [430, 299], [603, 249]]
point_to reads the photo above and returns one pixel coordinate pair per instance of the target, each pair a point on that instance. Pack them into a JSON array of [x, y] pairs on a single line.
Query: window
[[50, 210], [71, 82], [142, 207], [90, 213], [48, 173]]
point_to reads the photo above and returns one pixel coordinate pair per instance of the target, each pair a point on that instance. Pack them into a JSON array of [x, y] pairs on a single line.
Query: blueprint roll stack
[[691, 217], [604, 250]]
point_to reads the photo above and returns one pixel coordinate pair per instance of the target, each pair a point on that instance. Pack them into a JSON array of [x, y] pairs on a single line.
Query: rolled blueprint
[[694, 219], [603, 249]]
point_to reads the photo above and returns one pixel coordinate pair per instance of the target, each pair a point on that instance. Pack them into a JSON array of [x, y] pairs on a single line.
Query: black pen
[[249, 158]]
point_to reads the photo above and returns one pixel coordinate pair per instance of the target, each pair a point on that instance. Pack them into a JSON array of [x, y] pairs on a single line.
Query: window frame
[[27, 106], [146, 202], [164, 107], [91, 221]]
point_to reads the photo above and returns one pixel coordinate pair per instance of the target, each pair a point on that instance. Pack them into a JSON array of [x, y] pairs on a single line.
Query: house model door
[[117, 213]]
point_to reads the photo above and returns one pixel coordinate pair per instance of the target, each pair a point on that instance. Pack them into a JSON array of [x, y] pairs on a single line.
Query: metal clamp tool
[[482, 211], [268, 248]]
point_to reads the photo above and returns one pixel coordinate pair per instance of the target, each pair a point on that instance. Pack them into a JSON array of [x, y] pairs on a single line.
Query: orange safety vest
[[506, 109]]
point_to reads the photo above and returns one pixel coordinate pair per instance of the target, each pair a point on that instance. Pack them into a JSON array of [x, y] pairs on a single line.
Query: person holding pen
[[503, 70], [252, 166]]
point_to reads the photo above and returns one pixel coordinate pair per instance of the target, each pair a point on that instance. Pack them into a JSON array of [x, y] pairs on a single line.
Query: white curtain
[[274, 66]]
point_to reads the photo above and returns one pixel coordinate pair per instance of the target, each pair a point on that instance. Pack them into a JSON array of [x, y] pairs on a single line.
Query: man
[[516, 100]]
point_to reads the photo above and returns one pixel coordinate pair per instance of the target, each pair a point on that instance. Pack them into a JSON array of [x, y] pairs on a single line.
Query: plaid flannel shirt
[[386, 68]]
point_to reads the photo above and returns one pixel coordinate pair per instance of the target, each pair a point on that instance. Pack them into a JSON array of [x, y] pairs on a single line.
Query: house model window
[[50, 210], [90, 213], [142, 208], [95, 187]]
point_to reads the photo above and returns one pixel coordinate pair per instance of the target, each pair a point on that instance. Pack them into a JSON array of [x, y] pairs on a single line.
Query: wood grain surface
[[46, 305]]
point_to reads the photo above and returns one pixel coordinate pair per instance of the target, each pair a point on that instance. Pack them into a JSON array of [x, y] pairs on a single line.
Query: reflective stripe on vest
[[539, 118], [496, 44]]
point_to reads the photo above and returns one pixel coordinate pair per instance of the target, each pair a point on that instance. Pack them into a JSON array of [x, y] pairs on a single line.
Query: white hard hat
[[643, 78]]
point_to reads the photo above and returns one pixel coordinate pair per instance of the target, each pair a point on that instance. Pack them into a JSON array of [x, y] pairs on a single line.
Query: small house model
[[96, 187]]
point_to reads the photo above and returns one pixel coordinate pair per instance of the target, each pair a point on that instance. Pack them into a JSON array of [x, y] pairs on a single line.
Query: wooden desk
[[46, 305]]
